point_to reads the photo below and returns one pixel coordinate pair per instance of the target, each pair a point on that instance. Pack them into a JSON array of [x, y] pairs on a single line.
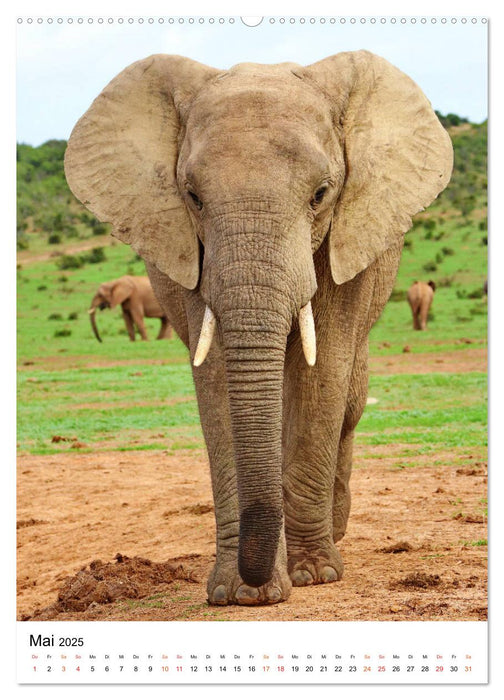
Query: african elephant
[[270, 204], [420, 296], [137, 301]]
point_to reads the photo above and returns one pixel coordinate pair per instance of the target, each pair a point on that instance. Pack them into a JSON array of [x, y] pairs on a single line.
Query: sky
[[62, 67]]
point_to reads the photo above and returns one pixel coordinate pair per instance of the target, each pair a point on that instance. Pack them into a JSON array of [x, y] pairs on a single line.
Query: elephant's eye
[[197, 201], [318, 196]]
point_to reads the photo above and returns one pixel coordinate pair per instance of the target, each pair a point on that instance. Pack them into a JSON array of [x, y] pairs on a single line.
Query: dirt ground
[[130, 535]]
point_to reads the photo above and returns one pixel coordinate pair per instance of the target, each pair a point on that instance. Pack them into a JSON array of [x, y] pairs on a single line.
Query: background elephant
[[420, 296], [137, 301], [273, 249]]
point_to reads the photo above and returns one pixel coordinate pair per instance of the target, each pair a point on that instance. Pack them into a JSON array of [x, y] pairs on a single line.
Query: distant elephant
[[270, 204], [137, 301], [420, 296]]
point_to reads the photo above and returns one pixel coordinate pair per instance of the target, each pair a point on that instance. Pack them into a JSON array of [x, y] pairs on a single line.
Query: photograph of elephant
[[137, 301], [276, 207]]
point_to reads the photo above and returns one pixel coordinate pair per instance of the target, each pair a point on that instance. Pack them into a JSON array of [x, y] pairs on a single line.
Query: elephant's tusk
[[307, 329], [91, 311], [205, 339]]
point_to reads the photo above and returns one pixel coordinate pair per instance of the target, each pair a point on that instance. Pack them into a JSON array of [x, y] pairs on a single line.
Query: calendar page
[[252, 298]]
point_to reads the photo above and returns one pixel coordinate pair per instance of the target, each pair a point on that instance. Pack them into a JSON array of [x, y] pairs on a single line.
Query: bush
[[73, 316], [430, 267], [70, 231], [447, 251], [21, 241], [476, 293], [54, 238], [444, 282], [99, 229], [70, 262], [62, 333], [97, 255], [54, 317], [74, 262]]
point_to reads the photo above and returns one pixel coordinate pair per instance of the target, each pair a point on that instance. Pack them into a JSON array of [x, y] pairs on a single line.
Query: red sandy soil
[[130, 535]]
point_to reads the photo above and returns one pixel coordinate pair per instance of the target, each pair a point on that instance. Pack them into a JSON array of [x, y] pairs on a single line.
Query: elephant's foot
[[323, 565], [226, 587]]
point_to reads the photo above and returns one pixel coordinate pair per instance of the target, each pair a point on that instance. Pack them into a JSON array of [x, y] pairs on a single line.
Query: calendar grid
[[288, 652]]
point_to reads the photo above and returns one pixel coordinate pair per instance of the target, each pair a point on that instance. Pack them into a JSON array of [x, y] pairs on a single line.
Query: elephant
[[269, 203], [137, 301], [420, 296]]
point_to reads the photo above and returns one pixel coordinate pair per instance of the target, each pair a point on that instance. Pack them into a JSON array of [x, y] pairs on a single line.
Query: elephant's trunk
[[92, 314], [255, 366], [255, 282]]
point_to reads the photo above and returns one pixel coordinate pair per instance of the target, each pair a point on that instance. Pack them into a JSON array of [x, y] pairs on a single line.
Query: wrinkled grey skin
[[253, 192]]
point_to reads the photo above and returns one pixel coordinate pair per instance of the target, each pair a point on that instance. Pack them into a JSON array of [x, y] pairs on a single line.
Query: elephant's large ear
[[122, 155], [121, 290], [398, 155]]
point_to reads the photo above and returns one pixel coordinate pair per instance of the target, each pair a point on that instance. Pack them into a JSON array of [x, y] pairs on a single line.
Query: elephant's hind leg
[[423, 314]]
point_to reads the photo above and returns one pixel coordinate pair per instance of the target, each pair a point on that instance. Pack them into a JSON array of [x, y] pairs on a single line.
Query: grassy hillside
[[110, 396], [47, 212], [447, 244]]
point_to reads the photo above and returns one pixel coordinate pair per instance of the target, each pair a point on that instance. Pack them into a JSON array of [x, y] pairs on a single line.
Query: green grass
[[136, 396], [116, 405], [148, 406], [427, 409], [44, 291], [455, 317], [478, 543]]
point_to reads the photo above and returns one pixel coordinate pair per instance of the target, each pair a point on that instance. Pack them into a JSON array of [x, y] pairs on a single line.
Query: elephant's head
[[108, 295], [229, 181]]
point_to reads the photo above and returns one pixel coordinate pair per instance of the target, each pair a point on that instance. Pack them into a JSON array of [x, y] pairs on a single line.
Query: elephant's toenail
[[328, 574], [301, 577], [219, 596], [274, 594], [245, 595]]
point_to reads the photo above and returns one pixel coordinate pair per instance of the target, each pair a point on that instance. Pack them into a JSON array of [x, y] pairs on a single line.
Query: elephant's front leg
[[356, 402], [128, 322], [225, 585], [315, 400]]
